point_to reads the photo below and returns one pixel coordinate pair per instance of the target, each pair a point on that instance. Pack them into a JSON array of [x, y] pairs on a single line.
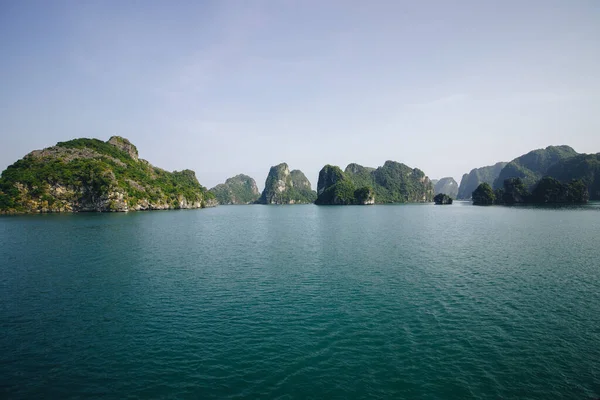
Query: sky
[[226, 87]]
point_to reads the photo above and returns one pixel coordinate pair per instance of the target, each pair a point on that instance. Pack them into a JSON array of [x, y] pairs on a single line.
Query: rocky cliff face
[[328, 176], [125, 146], [241, 189], [477, 176], [447, 186], [92, 175], [286, 187]]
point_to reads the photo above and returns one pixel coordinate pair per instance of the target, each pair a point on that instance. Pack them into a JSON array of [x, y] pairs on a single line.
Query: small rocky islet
[[92, 175], [442, 199], [447, 186]]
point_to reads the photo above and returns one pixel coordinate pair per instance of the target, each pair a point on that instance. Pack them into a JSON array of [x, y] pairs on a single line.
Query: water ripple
[[302, 302]]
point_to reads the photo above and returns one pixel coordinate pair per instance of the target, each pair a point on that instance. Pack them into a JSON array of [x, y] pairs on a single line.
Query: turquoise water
[[413, 301]]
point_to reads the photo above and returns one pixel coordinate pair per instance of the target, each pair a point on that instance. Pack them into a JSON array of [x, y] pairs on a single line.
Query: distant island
[[286, 187], [337, 188], [92, 175], [477, 176], [240, 189], [391, 183], [554, 175], [547, 191], [447, 186], [531, 167]]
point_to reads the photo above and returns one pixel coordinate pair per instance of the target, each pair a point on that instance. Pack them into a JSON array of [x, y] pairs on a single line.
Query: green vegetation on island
[[483, 195], [335, 188], [446, 186], [92, 175], [513, 192], [477, 176], [361, 176], [519, 178], [393, 182], [552, 191], [547, 191], [584, 167], [240, 189], [442, 198], [286, 187], [531, 167]]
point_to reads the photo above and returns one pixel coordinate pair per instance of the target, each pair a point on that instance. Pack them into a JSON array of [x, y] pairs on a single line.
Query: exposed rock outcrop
[[287, 187], [446, 186], [328, 176], [124, 145], [477, 176]]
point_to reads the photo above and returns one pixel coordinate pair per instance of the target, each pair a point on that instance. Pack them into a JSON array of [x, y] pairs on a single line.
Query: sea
[[412, 301]]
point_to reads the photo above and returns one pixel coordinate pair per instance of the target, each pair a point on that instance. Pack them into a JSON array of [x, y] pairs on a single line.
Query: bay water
[[402, 301]]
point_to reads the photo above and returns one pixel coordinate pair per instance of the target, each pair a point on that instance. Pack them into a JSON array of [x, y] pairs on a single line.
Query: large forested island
[[547, 191], [531, 167], [92, 175], [554, 175], [391, 183]]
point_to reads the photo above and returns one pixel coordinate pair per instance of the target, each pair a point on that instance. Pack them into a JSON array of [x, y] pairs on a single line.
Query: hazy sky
[[227, 87]]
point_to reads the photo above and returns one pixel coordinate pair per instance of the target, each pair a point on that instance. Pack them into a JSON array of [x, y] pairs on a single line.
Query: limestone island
[[547, 191], [91, 175], [447, 186], [286, 187], [240, 189], [553, 175], [357, 185], [442, 198]]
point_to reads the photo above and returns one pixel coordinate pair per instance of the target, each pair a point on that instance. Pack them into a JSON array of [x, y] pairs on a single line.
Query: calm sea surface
[[410, 301]]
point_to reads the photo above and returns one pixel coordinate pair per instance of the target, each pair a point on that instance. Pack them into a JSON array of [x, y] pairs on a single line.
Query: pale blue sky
[[227, 87]]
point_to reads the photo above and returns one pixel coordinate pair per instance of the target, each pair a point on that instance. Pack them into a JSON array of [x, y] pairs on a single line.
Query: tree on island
[[442, 198], [514, 192], [550, 190], [483, 195]]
